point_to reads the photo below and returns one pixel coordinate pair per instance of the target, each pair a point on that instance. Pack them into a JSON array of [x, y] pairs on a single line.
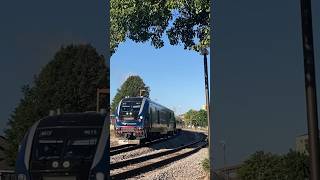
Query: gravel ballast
[[183, 138], [184, 169]]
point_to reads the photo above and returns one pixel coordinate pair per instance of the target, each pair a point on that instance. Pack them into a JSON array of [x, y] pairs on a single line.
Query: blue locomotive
[[72, 146], [140, 118]]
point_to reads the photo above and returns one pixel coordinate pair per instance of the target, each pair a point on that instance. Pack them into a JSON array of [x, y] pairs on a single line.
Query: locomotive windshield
[[66, 143], [129, 110]]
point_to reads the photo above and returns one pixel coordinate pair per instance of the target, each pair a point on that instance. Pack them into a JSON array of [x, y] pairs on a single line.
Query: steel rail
[[151, 166]]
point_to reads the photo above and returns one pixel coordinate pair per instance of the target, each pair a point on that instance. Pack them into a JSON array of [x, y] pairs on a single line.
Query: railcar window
[[154, 115], [150, 116]]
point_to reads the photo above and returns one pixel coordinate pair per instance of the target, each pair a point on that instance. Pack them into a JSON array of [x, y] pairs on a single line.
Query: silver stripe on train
[[102, 143], [29, 145]]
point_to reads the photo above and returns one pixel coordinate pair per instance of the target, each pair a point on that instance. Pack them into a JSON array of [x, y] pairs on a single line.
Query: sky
[[175, 75], [32, 31], [258, 77]]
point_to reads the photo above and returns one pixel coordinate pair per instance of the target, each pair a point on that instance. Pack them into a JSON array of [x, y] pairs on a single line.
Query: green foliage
[[183, 21], [260, 166], [267, 166], [131, 87], [189, 116], [201, 118], [196, 118], [296, 165], [68, 82], [206, 164]]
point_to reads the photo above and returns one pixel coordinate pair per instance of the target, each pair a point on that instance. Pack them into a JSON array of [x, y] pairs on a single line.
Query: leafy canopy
[[196, 118], [183, 21], [265, 166], [131, 87], [68, 82]]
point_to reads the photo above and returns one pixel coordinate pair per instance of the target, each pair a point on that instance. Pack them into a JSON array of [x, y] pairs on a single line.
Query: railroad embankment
[[174, 158]]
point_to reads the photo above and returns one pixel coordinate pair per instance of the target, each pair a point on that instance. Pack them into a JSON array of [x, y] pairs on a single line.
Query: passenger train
[[72, 146], [142, 119]]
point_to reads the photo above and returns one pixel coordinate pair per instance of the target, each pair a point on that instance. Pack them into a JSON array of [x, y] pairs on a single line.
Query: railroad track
[[120, 147], [129, 147], [135, 166]]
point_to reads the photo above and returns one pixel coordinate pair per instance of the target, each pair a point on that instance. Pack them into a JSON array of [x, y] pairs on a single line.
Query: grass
[[206, 164]]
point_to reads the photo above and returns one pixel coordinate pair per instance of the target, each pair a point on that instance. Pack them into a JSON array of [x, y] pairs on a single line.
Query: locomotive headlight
[[66, 164], [22, 177], [55, 164], [99, 176]]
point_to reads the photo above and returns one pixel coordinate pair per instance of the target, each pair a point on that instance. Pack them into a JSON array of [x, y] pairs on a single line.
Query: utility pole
[[101, 91], [205, 52], [310, 87]]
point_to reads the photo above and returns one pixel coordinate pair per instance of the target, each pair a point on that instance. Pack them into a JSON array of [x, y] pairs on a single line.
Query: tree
[[296, 165], [131, 87], [201, 118], [196, 118], [265, 166], [260, 165], [68, 82], [183, 21], [189, 117]]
